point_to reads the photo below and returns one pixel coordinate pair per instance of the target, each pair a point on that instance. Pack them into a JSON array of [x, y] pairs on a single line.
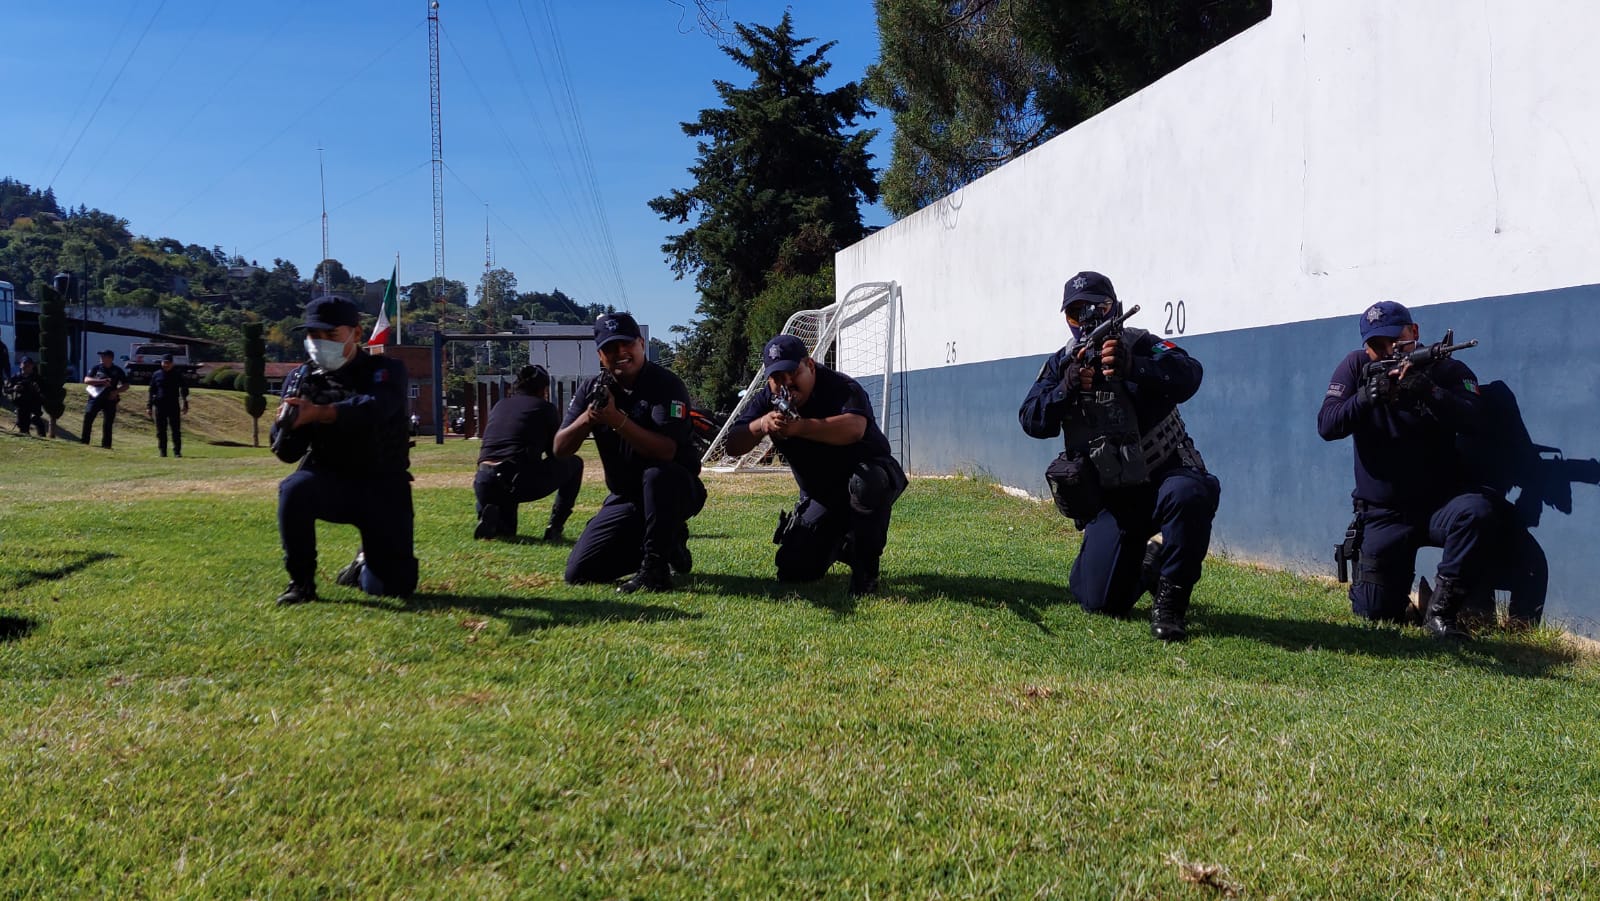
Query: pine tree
[[778, 189]]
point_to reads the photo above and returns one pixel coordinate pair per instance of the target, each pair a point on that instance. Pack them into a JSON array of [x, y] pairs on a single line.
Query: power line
[[118, 77], [538, 256], [336, 208], [511, 147], [287, 128]]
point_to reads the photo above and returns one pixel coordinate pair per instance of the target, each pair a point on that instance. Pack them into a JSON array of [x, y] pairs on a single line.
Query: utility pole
[[322, 180], [438, 212]]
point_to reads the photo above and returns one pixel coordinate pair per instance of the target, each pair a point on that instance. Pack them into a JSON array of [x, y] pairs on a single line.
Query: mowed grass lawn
[[168, 731]]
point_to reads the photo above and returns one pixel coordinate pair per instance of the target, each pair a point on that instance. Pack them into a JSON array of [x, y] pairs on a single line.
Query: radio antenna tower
[[322, 179], [438, 156]]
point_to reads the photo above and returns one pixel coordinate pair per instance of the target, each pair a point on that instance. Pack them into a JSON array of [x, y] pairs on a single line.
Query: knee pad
[[872, 487]]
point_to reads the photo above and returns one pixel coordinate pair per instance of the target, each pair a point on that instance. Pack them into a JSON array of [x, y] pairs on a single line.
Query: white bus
[[8, 322]]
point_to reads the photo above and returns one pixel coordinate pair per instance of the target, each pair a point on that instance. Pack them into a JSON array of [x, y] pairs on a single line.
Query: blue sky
[[200, 120]]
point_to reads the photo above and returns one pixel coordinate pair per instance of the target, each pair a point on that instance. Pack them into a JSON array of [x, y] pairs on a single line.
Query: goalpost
[[863, 336]]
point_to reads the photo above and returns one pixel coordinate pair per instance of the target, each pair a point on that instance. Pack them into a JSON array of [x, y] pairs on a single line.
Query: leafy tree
[[778, 188], [785, 296], [255, 378], [53, 353], [973, 84], [497, 288]]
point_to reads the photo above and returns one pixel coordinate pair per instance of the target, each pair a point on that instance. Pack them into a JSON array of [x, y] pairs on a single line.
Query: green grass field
[[170, 732]]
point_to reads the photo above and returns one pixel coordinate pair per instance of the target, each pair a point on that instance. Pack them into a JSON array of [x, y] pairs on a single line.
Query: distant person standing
[[25, 391], [517, 461], [106, 383], [168, 392]]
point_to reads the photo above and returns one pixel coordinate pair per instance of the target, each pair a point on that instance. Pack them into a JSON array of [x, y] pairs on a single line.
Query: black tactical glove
[[1120, 359], [1072, 378], [1379, 389], [1418, 385]]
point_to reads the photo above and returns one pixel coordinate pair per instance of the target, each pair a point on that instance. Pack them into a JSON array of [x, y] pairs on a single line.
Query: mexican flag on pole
[[387, 329]]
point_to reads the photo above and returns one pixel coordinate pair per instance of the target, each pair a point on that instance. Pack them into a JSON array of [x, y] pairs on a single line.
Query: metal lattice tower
[[438, 156]]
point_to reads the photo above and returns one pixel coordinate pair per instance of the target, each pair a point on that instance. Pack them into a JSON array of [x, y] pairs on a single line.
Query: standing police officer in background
[[1130, 467], [517, 461], [343, 419], [638, 413], [1411, 485], [822, 422], [25, 391], [106, 383], [169, 391]]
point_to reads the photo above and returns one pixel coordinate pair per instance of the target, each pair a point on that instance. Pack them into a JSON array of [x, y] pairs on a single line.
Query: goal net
[[862, 335]]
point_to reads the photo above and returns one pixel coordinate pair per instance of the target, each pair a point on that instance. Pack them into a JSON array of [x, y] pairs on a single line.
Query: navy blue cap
[[166, 358], [108, 352], [782, 354], [25, 359], [609, 327], [1087, 286], [1384, 319], [329, 312]]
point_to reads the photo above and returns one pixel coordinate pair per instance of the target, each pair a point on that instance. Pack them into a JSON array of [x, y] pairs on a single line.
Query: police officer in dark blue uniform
[[638, 413], [343, 419], [169, 402], [1130, 468], [822, 422], [106, 382], [517, 461], [25, 390], [1412, 488]]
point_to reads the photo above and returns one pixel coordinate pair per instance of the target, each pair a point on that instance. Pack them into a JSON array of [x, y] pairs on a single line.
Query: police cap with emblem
[[1384, 319], [1087, 286], [609, 327], [329, 312], [782, 354]]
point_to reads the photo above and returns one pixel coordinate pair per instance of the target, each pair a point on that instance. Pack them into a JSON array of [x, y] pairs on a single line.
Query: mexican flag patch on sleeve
[[675, 410]]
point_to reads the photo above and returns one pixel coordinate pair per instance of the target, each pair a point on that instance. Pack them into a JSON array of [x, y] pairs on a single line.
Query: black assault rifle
[[1089, 348], [1386, 388], [784, 403], [600, 392]]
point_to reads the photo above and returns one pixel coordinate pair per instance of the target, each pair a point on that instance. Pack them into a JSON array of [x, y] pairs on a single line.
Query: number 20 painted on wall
[[1177, 318]]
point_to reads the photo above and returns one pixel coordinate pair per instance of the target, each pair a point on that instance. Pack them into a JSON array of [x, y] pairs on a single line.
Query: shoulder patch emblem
[[1470, 385], [380, 376], [1335, 390], [676, 410], [1162, 347]]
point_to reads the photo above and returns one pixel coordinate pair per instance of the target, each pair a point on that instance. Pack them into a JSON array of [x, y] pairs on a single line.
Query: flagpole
[[399, 310]]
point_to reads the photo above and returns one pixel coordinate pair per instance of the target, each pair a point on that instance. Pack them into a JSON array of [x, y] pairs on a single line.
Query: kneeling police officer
[[1130, 468], [638, 413], [343, 419], [822, 423], [517, 462]]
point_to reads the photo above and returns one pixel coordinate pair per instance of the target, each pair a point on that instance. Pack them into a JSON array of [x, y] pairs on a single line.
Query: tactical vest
[[1105, 426]]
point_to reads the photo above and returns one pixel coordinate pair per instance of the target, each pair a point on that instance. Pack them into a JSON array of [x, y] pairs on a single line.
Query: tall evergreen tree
[[973, 84], [778, 189], [255, 378], [53, 353]]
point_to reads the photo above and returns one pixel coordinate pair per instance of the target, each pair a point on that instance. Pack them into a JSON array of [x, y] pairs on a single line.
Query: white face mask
[[328, 355]]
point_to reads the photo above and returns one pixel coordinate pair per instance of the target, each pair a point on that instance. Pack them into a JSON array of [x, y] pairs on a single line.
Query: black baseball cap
[[108, 353], [25, 360], [166, 358], [329, 312], [782, 354], [609, 327], [1087, 286]]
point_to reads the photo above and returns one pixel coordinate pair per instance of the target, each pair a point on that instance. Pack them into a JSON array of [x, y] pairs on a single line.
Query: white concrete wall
[[1340, 152]]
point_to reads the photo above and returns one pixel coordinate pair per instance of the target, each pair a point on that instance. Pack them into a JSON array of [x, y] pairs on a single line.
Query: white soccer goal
[[863, 336]]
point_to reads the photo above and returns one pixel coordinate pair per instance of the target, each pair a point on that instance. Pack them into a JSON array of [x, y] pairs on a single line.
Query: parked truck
[[144, 358]]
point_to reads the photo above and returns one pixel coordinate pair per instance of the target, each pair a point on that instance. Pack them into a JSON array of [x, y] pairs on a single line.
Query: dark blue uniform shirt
[[520, 426], [371, 434], [659, 402], [822, 469], [1406, 450], [169, 391], [1162, 376], [119, 379]]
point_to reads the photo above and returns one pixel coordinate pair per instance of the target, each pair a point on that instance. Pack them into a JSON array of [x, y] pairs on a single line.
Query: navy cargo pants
[[379, 506], [626, 530], [1180, 503]]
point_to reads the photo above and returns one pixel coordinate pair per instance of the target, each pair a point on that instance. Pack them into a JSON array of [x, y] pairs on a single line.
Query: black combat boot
[[558, 524], [863, 578], [350, 576], [1168, 611], [297, 593], [488, 523], [652, 576], [1443, 608], [1150, 567], [681, 560]]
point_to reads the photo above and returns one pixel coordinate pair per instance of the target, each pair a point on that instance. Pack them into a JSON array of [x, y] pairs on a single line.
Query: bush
[[226, 379]]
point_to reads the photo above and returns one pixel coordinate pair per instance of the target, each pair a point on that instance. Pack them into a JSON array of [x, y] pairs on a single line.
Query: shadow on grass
[[1024, 598], [13, 581], [515, 611], [15, 627], [1513, 657]]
